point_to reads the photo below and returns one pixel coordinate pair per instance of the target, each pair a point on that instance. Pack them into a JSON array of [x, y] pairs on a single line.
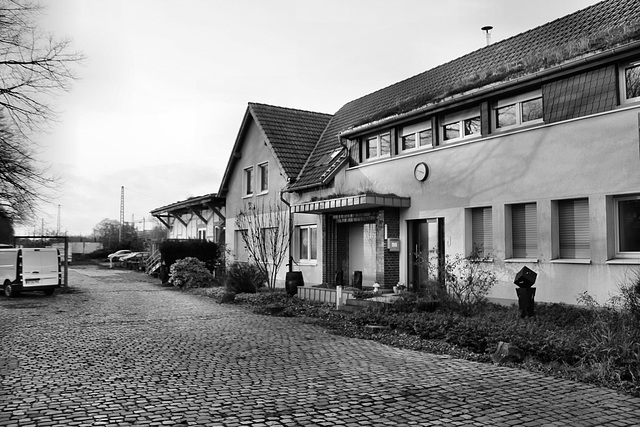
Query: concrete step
[[353, 305]]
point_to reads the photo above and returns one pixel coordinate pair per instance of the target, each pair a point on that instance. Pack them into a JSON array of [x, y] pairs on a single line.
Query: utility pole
[[121, 213]]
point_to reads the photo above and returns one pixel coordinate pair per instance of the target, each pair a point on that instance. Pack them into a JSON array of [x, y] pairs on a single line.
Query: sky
[[162, 92]]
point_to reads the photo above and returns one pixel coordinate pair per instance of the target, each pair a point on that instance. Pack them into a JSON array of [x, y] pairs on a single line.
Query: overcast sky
[[163, 90]]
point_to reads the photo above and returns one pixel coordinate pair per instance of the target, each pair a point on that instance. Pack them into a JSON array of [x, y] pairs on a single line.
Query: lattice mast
[[121, 213]]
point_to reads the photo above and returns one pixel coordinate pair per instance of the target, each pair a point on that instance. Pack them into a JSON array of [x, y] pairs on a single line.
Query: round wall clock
[[421, 171]]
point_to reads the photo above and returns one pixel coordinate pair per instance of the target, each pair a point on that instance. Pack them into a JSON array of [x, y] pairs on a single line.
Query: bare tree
[[265, 232], [6, 229], [22, 178], [33, 68]]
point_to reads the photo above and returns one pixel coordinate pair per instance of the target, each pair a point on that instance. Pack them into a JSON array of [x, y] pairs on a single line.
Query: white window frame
[[511, 254], [202, 233], [460, 118], [581, 217], [263, 167], [379, 155], [516, 101], [248, 175], [415, 130], [616, 209], [623, 82], [307, 259]]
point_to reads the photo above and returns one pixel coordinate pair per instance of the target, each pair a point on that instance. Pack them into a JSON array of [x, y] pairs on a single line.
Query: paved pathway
[[125, 351]]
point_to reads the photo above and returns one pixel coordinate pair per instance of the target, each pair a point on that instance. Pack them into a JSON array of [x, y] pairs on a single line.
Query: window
[[518, 110], [263, 176], [415, 136], [524, 231], [631, 82], [270, 242], [574, 238], [241, 252], [248, 181], [308, 243], [482, 231], [202, 233], [378, 146], [627, 214], [461, 125]]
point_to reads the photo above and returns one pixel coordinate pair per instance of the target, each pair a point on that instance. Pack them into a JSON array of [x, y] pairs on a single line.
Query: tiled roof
[[191, 202], [291, 133], [589, 30]]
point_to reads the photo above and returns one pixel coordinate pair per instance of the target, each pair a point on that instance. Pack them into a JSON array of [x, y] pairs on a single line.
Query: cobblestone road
[[125, 351]]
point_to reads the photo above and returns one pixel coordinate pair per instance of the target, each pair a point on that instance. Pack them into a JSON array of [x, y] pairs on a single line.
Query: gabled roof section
[[290, 134], [595, 29], [197, 202]]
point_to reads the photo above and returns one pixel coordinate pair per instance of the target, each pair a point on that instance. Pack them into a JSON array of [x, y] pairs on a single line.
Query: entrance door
[[426, 251]]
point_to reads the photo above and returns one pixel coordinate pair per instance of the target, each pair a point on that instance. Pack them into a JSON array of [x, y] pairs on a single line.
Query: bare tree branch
[[265, 232], [33, 68]]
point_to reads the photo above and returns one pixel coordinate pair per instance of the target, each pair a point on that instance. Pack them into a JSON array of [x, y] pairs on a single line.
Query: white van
[[30, 269]]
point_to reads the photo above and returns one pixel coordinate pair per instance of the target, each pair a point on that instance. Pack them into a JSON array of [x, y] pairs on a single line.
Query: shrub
[[360, 294], [227, 297], [243, 277], [468, 281], [190, 273], [613, 338], [205, 251], [465, 283]]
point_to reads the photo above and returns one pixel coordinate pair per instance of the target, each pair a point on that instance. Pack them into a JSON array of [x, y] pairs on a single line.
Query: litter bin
[[525, 279], [357, 279], [292, 281]]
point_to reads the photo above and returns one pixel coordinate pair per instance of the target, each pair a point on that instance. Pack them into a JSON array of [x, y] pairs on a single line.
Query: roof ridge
[[495, 45], [288, 108]]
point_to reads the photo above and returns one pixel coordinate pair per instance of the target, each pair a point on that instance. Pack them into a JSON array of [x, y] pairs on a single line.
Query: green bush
[[243, 277], [468, 282], [465, 284], [360, 294], [190, 273], [613, 338], [227, 297], [205, 251]]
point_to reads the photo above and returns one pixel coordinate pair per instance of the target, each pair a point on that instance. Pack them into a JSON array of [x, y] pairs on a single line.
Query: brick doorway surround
[[335, 244]]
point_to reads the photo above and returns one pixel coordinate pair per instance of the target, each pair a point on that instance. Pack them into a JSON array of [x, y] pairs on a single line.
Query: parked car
[[118, 254], [134, 260], [134, 256]]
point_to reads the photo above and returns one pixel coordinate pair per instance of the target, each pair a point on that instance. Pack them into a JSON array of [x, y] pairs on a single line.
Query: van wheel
[[10, 291], [48, 292]]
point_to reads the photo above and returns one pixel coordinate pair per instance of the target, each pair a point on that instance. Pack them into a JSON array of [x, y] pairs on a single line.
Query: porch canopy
[[194, 205], [349, 203]]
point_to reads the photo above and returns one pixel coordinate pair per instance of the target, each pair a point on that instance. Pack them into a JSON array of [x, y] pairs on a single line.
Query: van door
[[8, 265], [40, 267], [50, 273], [31, 267]]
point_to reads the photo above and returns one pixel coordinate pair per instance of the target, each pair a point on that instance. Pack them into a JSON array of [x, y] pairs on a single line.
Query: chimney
[[487, 31]]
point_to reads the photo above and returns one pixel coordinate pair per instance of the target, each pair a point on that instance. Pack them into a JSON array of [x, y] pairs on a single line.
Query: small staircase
[[153, 263]]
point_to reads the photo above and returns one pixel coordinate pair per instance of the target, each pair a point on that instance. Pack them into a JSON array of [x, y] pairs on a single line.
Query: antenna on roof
[[487, 31]]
